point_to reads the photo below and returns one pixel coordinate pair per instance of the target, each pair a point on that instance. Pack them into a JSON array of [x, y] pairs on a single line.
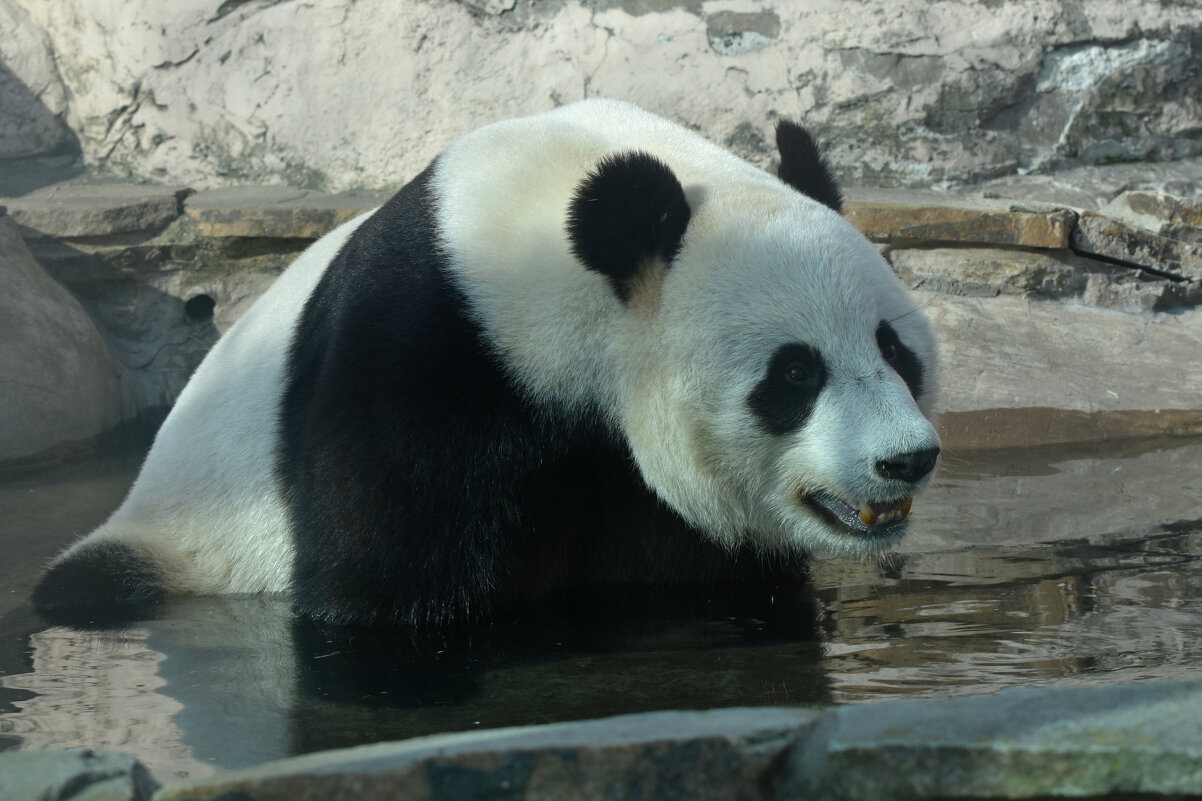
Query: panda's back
[[206, 508]]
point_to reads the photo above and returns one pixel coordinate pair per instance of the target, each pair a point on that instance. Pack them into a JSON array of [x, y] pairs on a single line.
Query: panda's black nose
[[910, 466]]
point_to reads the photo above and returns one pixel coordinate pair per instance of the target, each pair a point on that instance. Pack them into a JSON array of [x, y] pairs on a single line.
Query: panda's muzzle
[[877, 518]]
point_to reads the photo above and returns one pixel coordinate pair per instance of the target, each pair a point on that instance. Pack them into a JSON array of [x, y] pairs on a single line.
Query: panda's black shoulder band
[[629, 210], [803, 167]]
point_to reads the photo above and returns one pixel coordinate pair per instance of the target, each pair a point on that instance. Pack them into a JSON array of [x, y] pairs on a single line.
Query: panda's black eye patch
[[899, 357], [784, 398]]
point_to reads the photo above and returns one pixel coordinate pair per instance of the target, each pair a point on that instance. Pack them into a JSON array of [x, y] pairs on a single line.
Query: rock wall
[[333, 94], [1058, 324], [58, 383]]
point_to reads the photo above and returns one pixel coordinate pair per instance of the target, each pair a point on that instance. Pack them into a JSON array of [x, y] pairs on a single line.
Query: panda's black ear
[[627, 212], [803, 167]]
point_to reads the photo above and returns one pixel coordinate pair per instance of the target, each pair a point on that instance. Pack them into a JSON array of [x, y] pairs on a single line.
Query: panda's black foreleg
[[408, 512]]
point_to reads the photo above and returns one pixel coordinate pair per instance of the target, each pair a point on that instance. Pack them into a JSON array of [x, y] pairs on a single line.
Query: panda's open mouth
[[875, 518]]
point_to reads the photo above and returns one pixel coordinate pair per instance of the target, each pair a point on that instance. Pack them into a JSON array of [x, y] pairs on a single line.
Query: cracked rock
[[1109, 238], [1161, 213]]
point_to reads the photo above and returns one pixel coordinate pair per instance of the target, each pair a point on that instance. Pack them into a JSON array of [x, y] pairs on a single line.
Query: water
[[1039, 567]]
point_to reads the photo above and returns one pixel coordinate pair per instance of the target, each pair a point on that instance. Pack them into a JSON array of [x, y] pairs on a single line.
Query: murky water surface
[[1023, 568]]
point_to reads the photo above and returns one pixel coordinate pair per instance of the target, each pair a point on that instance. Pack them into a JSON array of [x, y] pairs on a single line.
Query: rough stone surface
[[161, 296], [87, 210], [1019, 743], [914, 93], [79, 775], [58, 383], [32, 94], [722, 754], [1012, 352], [1160, 213], [1092, 188], [909, 217], [986, 272], [274, 212], [1109, 238]]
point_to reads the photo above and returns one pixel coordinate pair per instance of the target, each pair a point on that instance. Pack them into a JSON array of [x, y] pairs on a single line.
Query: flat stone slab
[[912, 217], [1110, 238], [79, 775], [986, 272], [720, 754], [71, 211], [1018, 743], [1012, 352], [275, 212]]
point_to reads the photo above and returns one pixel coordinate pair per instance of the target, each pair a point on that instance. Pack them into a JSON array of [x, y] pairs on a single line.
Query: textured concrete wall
[[333, 94]]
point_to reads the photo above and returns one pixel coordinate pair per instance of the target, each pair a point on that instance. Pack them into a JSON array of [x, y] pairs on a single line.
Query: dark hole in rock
[[199, 308]]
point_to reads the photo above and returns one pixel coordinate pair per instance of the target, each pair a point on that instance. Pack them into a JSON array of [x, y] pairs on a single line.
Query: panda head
[[773, 377]]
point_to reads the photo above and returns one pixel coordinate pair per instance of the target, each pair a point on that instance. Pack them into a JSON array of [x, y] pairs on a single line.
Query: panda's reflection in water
[[231, 682], [584, 655]]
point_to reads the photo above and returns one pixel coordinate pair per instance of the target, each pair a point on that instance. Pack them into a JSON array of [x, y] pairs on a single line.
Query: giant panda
[[582, 348]]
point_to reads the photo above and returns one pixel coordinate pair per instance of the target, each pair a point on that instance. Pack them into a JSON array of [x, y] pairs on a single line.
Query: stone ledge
[[1018, 743], [274, 212], [1112, 239], [1036, 426], [899, 217], [90, 210]]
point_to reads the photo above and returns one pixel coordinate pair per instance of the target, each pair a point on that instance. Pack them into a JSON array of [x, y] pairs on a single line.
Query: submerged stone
[[80, 775]]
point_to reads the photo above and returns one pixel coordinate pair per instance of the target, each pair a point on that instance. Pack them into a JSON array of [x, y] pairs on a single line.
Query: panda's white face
[[779, 380]]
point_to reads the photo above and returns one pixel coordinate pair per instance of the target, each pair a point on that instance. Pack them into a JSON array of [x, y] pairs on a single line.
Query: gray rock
[[1092, 188], [987, 272], [1018, 743], [1129, 290], [1161, 213], [32, 94], [274, 211], [733, 33], [73, 210], [1011, 352], [58, 383], [915, 217], [78, 775], [722, 754], [910, 95], [1103, 236]]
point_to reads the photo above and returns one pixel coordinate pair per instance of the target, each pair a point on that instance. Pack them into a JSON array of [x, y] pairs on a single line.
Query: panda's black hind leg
[[101, 584]]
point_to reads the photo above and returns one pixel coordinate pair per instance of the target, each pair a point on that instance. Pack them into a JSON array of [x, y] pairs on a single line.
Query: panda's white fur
[[669, 368], [206, 507]]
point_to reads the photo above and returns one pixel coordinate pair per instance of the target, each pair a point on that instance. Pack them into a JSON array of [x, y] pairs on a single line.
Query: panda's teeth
[[889, 512]]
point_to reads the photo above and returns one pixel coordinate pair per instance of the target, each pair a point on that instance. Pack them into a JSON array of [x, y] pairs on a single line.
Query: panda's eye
[[889, 352], [799, 374]]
